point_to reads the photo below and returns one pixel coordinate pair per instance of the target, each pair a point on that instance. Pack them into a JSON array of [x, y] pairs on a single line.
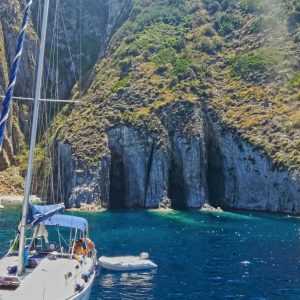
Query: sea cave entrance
[[117, 198], [215, 175], [176, 187]]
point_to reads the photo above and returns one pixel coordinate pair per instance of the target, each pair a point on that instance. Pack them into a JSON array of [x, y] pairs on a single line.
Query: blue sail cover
[[68, 221], [40, 213]]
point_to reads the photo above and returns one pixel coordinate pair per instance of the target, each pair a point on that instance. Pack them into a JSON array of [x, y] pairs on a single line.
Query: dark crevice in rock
[[215, 174], [149, 166], [117, 198], [176, 186]]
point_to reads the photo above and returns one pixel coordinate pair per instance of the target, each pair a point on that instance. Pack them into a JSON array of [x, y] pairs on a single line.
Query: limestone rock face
[[79, 182], [243, 177], [139, 173], [157, 188], [188, 172], [152, 173], [217, 167], [130, 158]]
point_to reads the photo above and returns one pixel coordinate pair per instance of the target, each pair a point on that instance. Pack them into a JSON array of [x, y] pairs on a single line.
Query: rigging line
[[51, 68], [51, 85], [58, 233], [69, 48], [57, 50], [37, 45], [61, 236], [56, 111], [76, 14], [80, 47], [47, 80]]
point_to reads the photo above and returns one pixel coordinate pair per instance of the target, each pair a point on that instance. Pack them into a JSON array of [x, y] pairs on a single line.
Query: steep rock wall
[[81, 33], [188, 187], [221, 169], [129, 172], [77, 182], [243, 177], [138, 172], [97, 22]]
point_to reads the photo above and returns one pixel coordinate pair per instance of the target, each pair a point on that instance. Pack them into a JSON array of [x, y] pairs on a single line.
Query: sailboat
[[1, 206], [51, 257]]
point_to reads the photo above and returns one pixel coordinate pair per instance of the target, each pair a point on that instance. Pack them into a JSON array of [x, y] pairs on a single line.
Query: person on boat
[[78, 248]]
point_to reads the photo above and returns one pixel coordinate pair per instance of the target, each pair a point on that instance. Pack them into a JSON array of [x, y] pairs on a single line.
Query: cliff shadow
[[215, 171], [176, 191], [117, 198]]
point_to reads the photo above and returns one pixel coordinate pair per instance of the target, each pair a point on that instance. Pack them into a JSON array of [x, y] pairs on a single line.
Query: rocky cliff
[[78, 35], [177, 119], [213, 166], [242, 176], [189, 102]]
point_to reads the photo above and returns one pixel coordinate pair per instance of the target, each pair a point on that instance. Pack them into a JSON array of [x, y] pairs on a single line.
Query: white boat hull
[[85, 294], [50, 280], [126, 263]]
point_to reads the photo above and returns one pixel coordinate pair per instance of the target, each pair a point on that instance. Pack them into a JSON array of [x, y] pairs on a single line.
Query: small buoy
[[144, 255]]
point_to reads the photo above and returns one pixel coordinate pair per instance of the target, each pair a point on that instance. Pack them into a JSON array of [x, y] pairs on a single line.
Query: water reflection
[[142, 280], [130, 285]]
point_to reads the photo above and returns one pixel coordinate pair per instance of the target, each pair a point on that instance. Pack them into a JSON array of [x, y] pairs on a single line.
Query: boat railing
[[36, 249], [37, 243]]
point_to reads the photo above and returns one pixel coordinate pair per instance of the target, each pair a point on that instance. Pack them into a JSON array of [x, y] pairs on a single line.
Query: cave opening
[[176, 191], [117, 198], [215, 175]]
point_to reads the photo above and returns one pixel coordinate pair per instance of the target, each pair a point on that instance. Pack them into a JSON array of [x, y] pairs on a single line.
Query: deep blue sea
[[238, 255]]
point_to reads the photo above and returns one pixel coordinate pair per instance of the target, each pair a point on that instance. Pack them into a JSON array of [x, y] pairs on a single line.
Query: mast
[[22, 242]]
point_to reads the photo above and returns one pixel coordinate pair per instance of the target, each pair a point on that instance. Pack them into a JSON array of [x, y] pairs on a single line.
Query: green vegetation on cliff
[[238, 59]]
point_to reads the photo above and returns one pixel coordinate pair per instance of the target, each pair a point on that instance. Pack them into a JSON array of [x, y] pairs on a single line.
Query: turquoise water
[[200, 255]]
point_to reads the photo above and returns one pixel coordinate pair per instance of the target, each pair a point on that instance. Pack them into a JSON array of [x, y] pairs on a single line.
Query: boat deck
[[50, 279]]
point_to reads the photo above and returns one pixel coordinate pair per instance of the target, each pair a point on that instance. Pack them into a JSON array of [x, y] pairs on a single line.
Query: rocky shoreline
[[17, 199]]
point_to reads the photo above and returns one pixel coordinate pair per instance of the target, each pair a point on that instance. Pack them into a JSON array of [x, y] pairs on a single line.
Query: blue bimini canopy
[[39, 213], [68, 221]]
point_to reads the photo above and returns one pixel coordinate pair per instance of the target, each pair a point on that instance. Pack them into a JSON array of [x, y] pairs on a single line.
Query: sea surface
[[232, 255]]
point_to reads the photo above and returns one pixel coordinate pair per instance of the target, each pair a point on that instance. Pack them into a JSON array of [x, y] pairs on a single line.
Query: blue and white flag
[[6, 104]]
